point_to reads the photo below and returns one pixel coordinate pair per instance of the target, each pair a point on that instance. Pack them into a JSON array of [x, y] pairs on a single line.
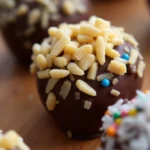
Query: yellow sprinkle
[[132, 112], [118, 121]]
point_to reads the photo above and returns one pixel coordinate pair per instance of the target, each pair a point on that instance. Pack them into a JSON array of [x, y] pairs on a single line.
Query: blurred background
[[17, 86]]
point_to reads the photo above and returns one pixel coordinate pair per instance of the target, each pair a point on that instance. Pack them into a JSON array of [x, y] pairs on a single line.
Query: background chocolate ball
[[20, 44], [70, 113]]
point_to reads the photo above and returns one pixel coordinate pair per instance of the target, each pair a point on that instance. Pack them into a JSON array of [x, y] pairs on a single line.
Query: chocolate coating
[[13, 32], [70, 113]]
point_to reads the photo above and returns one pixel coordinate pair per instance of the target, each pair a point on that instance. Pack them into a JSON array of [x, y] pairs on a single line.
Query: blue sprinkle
[[125, 56], [105, 83]]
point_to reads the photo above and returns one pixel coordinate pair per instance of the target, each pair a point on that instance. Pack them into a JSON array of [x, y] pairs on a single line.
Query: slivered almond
[[50, 59], [43, 74], [117, 68], [33, 68], [112, 53], [83, 51], [114, 92], [59, 46], [36, 49], [60, 62], [116, 41], [68, 57], [84, 38], [70, 49], [85, 88], [59, 73], [87, 104], [115, 81], [75, 69], [121, 60], [90, 30], [51, 101], [41, 61], [93, 71], [52, 31], [129, 38], [86, 62], [65, 89], [100, 50], [51, 84], [133, 56], [102, 24], [105, 75], [140, 68]]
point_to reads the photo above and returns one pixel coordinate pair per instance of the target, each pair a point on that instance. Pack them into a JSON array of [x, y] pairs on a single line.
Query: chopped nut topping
[[140, 69], [133, 56], [80, 49], [85, 88], [65, 89], [59, 73], [32, 68], [86, 62], [87, 105], [51, 101], [117, 68], [115, 92], [105, 75], [51, 84], [100, 50], [93, 71], [75, 69], [115, 81]]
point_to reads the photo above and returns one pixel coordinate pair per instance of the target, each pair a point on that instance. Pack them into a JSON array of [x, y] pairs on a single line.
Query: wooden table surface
[[20, 107]]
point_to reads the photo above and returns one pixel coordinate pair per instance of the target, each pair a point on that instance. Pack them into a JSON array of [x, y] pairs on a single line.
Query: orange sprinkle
[[146, 91], [107, 113], [111, 131]]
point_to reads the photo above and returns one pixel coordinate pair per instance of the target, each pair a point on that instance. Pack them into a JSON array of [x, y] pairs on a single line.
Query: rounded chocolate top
[[126, 124], [84, 70]]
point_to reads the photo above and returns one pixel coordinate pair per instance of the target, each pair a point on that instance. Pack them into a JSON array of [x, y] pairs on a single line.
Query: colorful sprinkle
[[124, 113], [116, 115], [125, 56], [118, 121], [111, 131], [132, 112], [105, 82], [146, 91], [107, 113]]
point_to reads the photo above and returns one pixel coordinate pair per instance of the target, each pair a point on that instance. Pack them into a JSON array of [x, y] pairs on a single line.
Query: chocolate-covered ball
[[126, 125], [25, 22], [12, 141], [83, 71]]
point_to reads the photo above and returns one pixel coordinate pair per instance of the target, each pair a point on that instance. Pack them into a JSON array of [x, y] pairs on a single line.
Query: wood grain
[[20, 108]]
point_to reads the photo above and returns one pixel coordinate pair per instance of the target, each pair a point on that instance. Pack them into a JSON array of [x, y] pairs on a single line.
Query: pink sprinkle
[[114, 125], [124, 113]]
